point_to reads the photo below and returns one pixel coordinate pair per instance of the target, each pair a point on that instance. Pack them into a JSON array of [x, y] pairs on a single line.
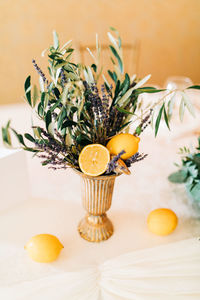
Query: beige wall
[[169, 32]]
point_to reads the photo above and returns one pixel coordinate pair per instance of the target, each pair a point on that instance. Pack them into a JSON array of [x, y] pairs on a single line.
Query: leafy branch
[[76, 110]]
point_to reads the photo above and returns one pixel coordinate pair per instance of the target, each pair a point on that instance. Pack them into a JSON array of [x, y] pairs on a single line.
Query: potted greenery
[[80, 107], [189, 172]]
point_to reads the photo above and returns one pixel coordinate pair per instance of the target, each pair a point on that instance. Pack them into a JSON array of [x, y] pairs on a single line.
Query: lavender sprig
[[40, 72], [105, 104], [144, 123], [63, 77], [113, 162], [55, 152], [135, 158], [96, 102]]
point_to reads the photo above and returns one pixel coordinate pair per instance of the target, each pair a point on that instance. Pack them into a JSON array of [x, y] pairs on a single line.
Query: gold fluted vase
[[97, 198]]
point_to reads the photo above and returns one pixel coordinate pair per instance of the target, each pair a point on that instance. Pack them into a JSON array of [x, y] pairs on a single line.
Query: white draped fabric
[[86, 271], [161, 273]]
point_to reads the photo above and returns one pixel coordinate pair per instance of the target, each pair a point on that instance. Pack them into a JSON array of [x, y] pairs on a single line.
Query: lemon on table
[[44, 248], [162, 221], [94, 159], [124, 141]]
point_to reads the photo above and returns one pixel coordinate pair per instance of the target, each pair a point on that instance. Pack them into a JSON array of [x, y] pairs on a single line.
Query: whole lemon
[[43, 248], [162, 221], [124, 141]]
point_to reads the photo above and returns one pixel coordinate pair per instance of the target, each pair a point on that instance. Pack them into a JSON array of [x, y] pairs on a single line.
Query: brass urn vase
[[96, 195]]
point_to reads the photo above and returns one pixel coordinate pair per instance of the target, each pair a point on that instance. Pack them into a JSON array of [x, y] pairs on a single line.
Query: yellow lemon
[[94, 159], [126, 142], [43, 248], [162, 221]]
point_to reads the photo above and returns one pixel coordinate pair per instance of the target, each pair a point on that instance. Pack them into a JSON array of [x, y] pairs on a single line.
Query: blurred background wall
[[168, 32]]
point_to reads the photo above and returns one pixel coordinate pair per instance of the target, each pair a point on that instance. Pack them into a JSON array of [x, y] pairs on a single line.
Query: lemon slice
[[94, 159]]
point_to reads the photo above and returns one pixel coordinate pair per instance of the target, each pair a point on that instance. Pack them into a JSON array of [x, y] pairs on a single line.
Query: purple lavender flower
[[40, 72], [135, 158], [112, 164]]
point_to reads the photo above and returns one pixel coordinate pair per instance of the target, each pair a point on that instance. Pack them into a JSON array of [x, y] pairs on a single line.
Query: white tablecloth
[[55, 204]]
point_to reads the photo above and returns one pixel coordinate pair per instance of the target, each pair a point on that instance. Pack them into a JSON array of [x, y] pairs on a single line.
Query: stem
[[155, 104]]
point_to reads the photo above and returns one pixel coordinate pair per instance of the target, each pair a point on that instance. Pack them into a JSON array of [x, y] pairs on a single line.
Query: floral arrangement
[[80, 106], [189, 171]]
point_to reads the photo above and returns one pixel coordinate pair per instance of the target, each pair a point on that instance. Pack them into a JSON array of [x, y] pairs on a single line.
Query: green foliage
[[27, 88], [189, 172], [178, 177], [77, 111], [159, 119], [118, 58]]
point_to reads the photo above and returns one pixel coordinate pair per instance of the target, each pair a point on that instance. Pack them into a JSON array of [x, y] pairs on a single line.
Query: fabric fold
[[157, 273]]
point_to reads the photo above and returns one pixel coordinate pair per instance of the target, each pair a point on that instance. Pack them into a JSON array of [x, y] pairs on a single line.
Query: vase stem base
[[95, 228]]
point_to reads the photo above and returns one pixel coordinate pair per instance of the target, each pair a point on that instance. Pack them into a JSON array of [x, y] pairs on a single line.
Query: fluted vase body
[[97, 198]]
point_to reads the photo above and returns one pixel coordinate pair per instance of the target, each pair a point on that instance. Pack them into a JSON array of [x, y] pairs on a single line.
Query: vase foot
[[95, 228]]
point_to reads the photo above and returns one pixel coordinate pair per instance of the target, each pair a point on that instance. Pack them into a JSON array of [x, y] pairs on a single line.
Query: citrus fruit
[[126, 142], [94, 159], [162, 221], [43, 248]]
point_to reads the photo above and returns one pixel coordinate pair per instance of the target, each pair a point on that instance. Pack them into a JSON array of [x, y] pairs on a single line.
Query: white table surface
[[55, 204]]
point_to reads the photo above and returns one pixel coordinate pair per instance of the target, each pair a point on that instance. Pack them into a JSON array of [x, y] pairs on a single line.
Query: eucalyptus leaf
[[188, 104], [90, 75], [194, 191], [37, 132], [19, 137], [166, 118], [35, 95], [48, 119], [83, 140], [51, 128], [81, 107], [57, 75], [129, 92], [149, 90], [6, 134], [138, 130], [43, 99], [94, 67], [117, 90], [178, 177], [142, 82], [122, 110], [181, 109], [171, 106], [119, 42], [125, 85], [40, 110], [30, 149], [118, 58], [55, 40], [158, 119], [197, 87], [29, 137], [27, 88], [56, 92], [113, 76], [65, 45], [112, 40], [41, 82], [61, 118], [68, 123]]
